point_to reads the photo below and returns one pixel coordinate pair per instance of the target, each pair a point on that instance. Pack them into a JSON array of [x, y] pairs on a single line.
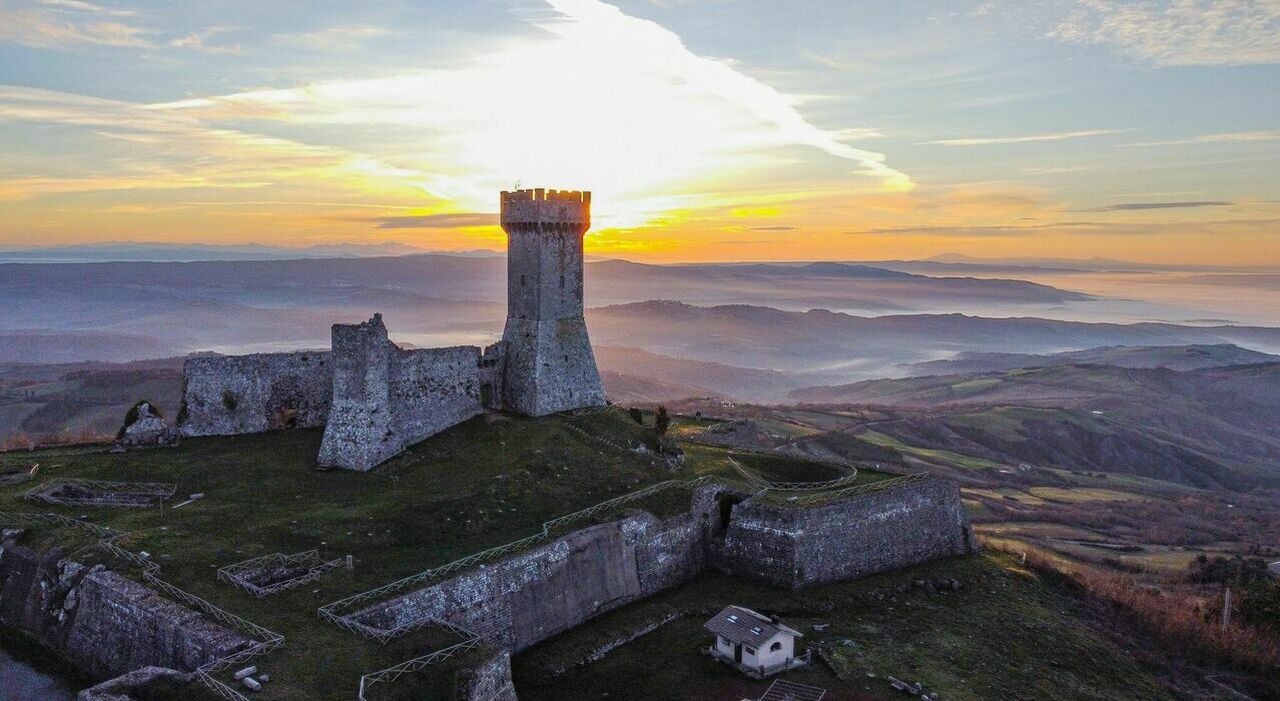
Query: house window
[[751, 651], [724, 642], [775, 647]]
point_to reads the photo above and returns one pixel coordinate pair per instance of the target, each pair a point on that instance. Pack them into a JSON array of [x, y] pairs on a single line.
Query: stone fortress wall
[[824, 543], [227, 395], [375, 399], [386, 399], [104, 624], [530, 597]]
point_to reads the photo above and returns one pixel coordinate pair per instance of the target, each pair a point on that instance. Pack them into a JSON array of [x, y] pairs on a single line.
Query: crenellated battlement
[[546, 210]]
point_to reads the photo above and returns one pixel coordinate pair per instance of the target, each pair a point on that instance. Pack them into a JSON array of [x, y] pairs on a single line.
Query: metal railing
[[768, 485], [100, 493], [340, 612], [241, 574], [470, 641], [858, 489], [109, 539]]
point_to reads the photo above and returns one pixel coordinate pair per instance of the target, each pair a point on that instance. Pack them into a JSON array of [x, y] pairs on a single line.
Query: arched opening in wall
[[486, 395], [726, 503], [775, 647]]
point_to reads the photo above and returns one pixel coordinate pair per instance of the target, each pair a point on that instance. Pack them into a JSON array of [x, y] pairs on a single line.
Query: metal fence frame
[[109, 539], [768, 485], [238, 574], [109, 493], [470, 641]]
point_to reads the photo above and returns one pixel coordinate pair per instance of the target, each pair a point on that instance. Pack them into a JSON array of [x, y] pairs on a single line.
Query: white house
[[753, 642]]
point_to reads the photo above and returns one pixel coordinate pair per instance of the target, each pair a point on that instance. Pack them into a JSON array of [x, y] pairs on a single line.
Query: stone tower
[[549, 364]]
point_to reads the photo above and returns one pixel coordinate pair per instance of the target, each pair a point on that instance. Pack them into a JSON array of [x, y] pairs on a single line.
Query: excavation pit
[[274, 573], [75, 492]]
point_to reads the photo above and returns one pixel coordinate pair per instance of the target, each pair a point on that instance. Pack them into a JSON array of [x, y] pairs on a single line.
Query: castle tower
[[549, 363]]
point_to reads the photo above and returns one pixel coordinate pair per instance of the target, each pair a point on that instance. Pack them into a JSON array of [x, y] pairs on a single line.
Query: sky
[[707, 130]]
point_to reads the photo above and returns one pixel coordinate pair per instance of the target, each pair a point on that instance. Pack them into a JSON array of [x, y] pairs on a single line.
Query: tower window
[[522, 281], [562, 282]]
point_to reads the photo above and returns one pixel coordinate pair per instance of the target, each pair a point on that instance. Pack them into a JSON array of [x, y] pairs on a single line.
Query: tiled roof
[[742, 625]]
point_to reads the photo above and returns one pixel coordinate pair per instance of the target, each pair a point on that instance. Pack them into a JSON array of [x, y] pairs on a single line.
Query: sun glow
[[600, 101]]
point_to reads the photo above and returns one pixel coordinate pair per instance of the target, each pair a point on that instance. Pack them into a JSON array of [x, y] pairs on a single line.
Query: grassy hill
[[484, 483]]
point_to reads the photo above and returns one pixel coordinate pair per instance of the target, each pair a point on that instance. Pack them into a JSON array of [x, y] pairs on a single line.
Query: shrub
[[661, 421], [636, 415]]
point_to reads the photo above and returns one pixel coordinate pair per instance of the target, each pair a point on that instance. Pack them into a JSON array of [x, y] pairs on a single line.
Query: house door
[[737, 653]]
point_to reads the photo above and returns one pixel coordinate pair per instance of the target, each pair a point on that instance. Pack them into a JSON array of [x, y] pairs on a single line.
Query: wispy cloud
[[334, 38], [438, 221], [670, 115], [199, 41], [1179, 32], [66, 22], [180, 152], [1132, 206], [1226, 138], [1023, 139]]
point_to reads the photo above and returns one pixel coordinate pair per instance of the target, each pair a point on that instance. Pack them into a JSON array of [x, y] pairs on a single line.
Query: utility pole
[[1226, 609]]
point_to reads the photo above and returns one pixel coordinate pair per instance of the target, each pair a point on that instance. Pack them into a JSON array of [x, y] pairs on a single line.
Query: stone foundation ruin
[[375, 399], [277, 572], [79, 492]]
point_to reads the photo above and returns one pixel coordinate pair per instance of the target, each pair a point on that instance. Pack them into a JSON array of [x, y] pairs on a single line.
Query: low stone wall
[[530, 597], [229, 395], [874, 532], [100, 622]]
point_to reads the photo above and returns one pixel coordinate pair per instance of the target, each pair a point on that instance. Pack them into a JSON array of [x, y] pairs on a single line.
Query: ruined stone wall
[[433, 389], [489, 680], [385, 399], [101, 623], [530, 597], [897, 527], [252, 393]]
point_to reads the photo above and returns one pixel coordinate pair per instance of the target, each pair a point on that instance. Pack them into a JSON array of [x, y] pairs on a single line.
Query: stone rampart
[[896, 527], [526, 598], [385, 399], [530, 597], [228, 395], [100, 622]]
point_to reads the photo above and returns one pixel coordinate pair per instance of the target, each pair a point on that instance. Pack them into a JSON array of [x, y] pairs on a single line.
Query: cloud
[[1227, 138], [999, 230], [62, 23], [172, 151], [333, 38], [198, 41], [1029, 138], [80, 6], [597, 99], [68, 22], [1130, 206], [769, 228], [438, 221], [1179, 32]]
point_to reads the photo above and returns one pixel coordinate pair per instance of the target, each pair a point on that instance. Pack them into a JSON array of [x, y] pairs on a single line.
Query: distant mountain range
[[1192, 357], [826, 344]]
